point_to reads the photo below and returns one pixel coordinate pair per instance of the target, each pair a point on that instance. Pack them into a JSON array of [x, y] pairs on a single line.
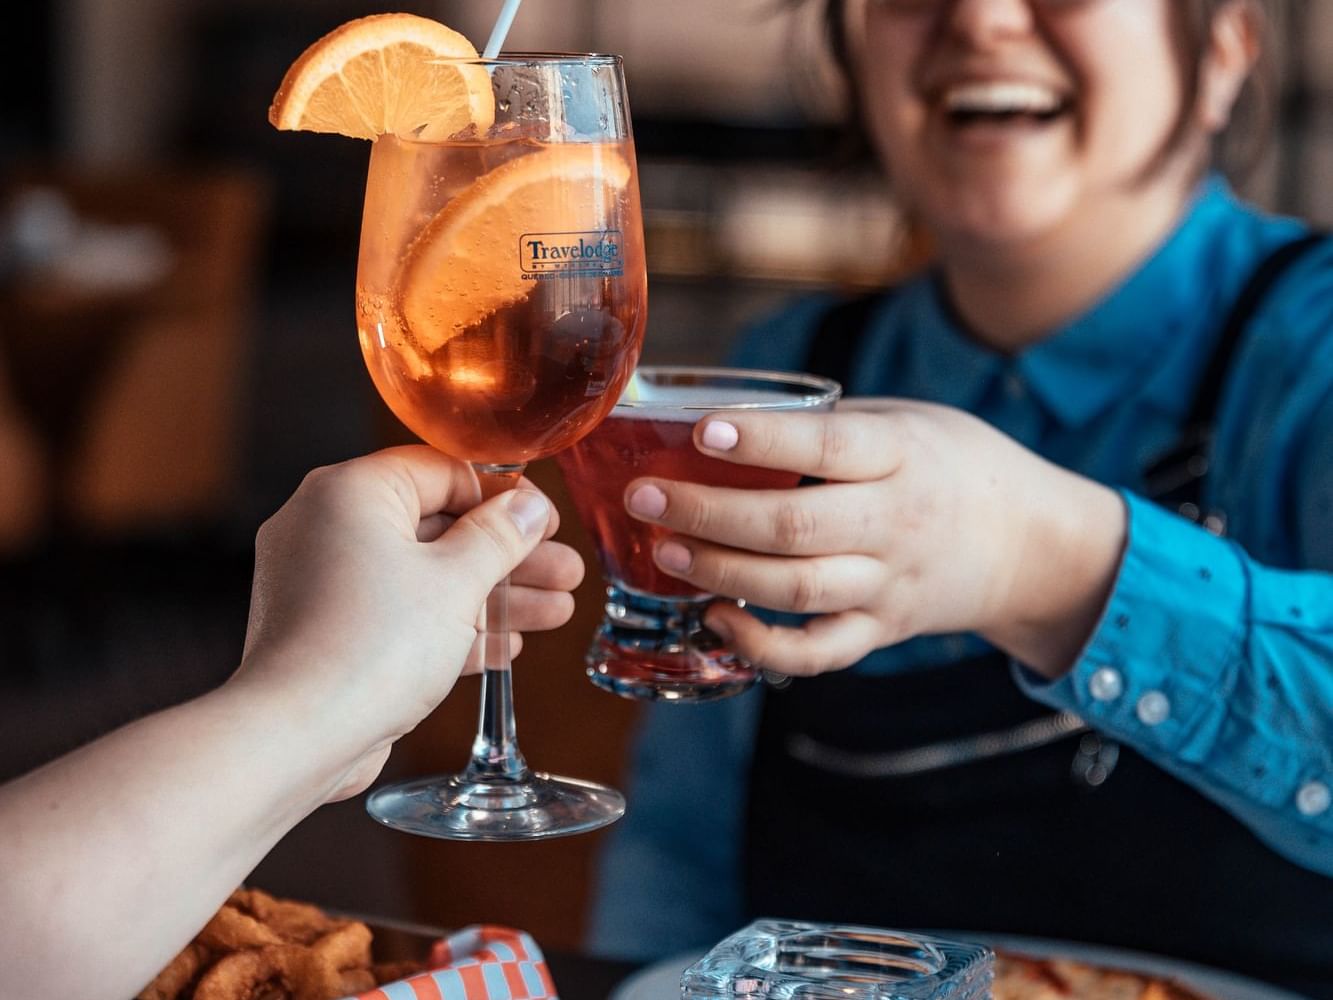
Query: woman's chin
[[1003, 223]]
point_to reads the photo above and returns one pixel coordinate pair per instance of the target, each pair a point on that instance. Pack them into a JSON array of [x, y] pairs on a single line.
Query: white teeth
[[1002, 98]]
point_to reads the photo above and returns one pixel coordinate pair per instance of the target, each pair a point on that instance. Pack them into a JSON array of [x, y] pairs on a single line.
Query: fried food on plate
[[183, 970], [303, 923], [260, 948], [1019, 977], [254, 974]]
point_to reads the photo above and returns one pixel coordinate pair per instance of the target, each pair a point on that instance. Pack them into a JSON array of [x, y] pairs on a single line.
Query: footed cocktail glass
[[501, 299], [652, 642]]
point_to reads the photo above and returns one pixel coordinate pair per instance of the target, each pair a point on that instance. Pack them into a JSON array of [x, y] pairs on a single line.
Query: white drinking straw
[[501, 28]]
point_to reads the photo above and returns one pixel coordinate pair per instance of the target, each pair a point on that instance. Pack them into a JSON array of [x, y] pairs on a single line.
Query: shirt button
[[1106, 684], [1313, 799], [1014, 387], [1153, 708]]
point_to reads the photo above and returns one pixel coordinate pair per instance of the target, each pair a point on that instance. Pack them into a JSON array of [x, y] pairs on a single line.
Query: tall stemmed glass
[[501, 299]]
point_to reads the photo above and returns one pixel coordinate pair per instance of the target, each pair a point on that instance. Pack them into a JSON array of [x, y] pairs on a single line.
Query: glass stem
[[495, 753]]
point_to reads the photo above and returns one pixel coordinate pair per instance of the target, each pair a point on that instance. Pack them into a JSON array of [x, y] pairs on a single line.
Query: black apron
[[945, 798]]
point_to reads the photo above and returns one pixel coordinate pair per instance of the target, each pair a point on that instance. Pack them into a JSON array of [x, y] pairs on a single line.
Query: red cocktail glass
[[652, 642]]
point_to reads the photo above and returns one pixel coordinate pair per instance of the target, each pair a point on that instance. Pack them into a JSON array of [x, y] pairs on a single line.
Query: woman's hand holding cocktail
[[929, 521], [369, 584]]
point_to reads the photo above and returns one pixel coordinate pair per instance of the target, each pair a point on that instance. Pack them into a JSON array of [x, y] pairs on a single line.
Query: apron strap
[[1175, 479], [837, 339], [1208, 396]]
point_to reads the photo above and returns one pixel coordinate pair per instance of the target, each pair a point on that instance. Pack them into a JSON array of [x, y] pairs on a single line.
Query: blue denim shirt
[[1214, 657]]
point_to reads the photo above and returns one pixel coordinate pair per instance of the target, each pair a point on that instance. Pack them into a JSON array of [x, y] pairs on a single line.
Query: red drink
[[645, 442], [652, 642]]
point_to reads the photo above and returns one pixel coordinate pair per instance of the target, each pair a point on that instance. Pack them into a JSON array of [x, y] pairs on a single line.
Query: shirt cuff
[[1158, 668]]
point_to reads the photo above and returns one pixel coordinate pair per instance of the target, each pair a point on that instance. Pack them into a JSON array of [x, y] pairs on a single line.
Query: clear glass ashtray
[[777, 960]]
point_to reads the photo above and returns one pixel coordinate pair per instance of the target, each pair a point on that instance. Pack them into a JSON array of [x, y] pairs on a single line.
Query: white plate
[[661, 981]]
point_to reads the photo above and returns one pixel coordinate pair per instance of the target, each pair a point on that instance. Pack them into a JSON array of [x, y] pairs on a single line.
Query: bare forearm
[[115, 855], [1073, 548]]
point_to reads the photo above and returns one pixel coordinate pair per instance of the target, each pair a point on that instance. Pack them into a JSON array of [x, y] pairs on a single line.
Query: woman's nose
[[981, 21]]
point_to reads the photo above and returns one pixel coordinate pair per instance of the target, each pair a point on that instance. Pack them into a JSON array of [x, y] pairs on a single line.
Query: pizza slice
[[1020, 977]]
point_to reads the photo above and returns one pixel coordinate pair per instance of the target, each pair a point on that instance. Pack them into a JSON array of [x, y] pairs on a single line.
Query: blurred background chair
[[129, 322], [23, 484]]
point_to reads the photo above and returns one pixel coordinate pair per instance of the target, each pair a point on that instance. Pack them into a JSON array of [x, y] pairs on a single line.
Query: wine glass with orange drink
[[500, 303]]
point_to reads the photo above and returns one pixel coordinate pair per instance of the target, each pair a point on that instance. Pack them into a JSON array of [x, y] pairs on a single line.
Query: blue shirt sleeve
[[1220, 670], [1215, 663]]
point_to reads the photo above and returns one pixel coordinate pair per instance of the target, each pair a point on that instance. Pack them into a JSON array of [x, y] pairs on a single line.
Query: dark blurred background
[[177, 349]]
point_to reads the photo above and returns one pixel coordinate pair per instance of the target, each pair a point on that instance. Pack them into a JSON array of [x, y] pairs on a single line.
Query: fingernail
[[529, 511], [648, 501], [674, 556], [719, 435]]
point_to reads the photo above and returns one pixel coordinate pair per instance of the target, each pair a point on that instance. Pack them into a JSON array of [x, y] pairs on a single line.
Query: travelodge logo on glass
[[590, 254]]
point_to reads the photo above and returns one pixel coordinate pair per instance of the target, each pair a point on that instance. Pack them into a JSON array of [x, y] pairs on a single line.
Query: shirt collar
[[1104, 354], [1084, 367], [944, 364]]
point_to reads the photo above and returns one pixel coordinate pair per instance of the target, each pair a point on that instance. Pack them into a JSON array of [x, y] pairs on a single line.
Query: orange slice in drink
[[464, 265], [386, 73]]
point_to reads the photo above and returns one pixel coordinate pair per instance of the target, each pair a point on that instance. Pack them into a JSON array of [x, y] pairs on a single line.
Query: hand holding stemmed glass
[[501, 298]]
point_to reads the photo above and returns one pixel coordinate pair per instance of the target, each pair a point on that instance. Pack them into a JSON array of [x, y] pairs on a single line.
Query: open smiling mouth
[[1003, 104]]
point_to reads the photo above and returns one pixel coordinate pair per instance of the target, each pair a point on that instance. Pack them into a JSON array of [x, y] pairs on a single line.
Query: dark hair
[[1243, 142], [1237, 150]]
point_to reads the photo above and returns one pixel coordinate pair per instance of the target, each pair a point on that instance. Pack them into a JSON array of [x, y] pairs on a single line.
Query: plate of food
[[257, 947], [1036, 969]]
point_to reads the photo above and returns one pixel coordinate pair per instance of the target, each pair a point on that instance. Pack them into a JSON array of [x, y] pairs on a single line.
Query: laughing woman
[[1074, 543]]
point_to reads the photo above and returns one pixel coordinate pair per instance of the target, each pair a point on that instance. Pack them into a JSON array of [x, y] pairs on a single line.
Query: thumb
[[489, 541]]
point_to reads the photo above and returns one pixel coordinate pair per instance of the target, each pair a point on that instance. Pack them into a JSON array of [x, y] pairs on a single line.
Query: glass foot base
[[455, 808], [650, 682], [658, 649]]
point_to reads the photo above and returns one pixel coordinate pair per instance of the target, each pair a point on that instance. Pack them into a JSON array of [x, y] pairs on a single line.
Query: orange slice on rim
[[464, 265], [387, 73]]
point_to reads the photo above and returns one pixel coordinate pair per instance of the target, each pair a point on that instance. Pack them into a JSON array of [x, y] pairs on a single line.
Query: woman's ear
[[1235, 41]]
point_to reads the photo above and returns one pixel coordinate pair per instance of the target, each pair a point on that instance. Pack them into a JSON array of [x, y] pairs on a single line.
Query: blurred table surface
[[584, 977]]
